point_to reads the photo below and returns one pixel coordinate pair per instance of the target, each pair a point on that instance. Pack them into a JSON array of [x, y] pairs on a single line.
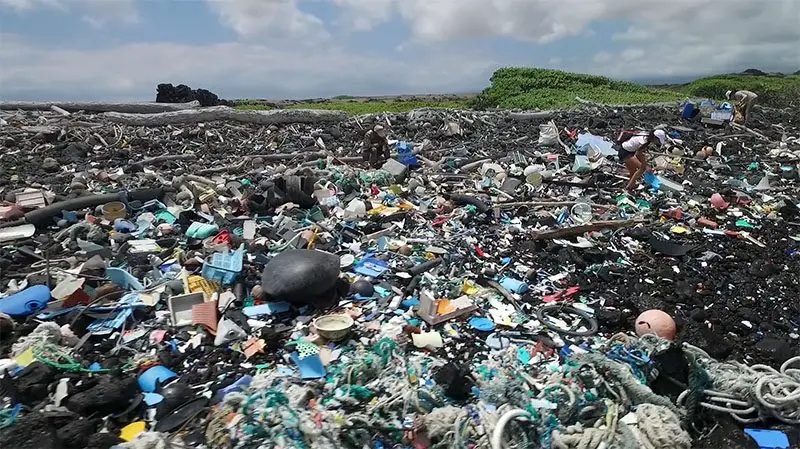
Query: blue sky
[[120, 49]]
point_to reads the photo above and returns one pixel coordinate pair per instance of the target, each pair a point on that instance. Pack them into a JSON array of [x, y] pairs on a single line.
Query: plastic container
[[334, 327], [405, 154], [201, 230], [581, 164], [26, 302], [113, 210], [355, 209], [180, 308], [514, 285], [688, 111], [224, 267]]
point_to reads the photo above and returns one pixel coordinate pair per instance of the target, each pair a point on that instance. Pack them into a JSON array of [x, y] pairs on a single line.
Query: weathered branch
[[582, 229], [92, 106], [217, 113], [171, 157]]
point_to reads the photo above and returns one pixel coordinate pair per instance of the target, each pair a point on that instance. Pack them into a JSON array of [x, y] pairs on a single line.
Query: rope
[[59, 357], [497, 433], [743, 391]]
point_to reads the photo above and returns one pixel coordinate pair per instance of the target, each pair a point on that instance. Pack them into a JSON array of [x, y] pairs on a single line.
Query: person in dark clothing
[[376, 147]]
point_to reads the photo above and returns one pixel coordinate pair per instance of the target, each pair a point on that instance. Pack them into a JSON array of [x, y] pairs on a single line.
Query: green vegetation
[[773, 90], [252, 106], [364, 107], [527, 88]]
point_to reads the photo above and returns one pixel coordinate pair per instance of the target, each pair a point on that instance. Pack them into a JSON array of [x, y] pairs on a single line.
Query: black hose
[[591, 322], [43, 216], [461, 200], [424, 266]]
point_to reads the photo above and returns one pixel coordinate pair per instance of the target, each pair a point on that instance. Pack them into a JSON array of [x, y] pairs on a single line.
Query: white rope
[[497, 433], [743, 391]]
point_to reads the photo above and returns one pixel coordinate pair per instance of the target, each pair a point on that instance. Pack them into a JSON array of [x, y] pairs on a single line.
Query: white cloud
[[673, 37], [250, 18], [232, 70], [97, 13], [26, 5], [287, 50]]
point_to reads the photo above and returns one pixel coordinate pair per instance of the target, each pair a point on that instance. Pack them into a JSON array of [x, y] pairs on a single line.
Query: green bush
[[530, 88], [774, 91]]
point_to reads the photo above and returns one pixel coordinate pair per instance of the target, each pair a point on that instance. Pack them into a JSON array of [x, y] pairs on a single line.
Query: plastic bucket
[[150, 378]]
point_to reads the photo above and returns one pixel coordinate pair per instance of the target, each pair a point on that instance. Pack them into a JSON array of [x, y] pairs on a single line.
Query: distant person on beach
[[632, 153], [745, 100], [376, 147]]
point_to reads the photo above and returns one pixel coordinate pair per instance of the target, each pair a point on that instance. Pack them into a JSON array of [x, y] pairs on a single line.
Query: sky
[[121, 49]]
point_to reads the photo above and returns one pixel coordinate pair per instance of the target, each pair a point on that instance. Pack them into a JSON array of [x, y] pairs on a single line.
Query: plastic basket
[[224, 267]]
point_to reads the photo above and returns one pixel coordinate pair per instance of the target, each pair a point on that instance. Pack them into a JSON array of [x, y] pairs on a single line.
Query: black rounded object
[[298, 274], [363, 288]]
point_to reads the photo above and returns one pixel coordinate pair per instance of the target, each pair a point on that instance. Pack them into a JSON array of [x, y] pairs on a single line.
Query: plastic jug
[[355, 209], [26, 302]]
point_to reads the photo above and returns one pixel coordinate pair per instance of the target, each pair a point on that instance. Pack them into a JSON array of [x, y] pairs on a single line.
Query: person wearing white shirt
[[633, 155]]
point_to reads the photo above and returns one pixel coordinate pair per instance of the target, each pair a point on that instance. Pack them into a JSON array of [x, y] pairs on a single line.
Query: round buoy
[[363, 288], [656, 322]]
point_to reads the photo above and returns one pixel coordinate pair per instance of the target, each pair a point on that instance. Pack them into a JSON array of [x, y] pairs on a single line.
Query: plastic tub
[[113, 210], [334, 327]]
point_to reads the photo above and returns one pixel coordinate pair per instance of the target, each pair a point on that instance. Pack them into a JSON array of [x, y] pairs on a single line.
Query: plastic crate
[[224, 267], [721, 115]]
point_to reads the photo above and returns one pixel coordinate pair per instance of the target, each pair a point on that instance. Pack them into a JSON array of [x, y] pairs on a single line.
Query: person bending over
[[633, 154]]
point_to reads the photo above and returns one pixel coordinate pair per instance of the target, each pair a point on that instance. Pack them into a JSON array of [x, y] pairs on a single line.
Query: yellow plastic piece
[[199, 284], [129, 432], [26, 358]]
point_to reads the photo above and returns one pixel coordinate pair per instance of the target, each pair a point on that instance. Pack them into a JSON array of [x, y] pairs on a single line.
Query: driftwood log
[[622, 106], [217, 113], [530, 116], [92, 106]]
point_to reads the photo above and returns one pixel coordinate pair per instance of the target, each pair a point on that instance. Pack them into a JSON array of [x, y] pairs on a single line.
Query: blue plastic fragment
[[270, 308], [482, 324], [239, 385], [523, 356], [769, 439], [652, 180], [152, 399], [95, 367], [410, 302], [70, 215], [125, 226], [310, 367], [371, 267]]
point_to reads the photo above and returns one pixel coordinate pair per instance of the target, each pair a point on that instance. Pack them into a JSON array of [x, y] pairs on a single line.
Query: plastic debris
[[261, 285]]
